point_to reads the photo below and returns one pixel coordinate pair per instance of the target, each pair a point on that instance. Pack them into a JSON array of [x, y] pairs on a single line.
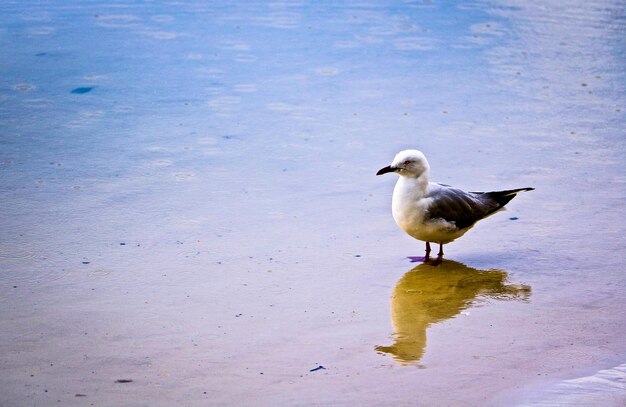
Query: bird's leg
[[425, 259], [439, 258]]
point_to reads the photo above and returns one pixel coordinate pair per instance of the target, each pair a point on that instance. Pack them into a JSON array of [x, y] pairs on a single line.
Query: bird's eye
[[407, 162]]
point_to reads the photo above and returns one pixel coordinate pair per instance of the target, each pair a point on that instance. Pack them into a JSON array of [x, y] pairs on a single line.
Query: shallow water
[[189, 202]]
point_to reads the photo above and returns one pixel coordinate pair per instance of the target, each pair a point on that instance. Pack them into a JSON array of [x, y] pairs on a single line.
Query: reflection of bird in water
[[427, 295], [434, 212]]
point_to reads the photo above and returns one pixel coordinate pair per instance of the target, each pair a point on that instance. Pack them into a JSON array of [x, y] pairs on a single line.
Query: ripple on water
[[327, 71], [43, 30], [20, 253], [118, 20], [162, 18], [605, 388], [245, 58], [224, 102], [161, 35], [85, 118], [245, 88], [37, 103], [184, 176], [414, 44], [22, 266], [161, 163], [24, 87], [281, 19]]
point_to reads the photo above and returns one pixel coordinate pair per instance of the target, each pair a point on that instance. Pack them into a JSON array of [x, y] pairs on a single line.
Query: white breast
[[409, 208]]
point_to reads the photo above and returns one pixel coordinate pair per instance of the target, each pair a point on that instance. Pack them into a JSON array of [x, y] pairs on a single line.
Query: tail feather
[[501, 197]]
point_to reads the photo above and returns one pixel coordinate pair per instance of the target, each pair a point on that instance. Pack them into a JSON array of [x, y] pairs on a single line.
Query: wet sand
[[190, 214]]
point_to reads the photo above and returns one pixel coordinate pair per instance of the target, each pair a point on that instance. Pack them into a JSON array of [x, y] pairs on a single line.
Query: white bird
[[434, 212]]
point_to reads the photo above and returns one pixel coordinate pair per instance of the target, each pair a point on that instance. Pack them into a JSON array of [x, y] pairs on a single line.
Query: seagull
[[434, 212]]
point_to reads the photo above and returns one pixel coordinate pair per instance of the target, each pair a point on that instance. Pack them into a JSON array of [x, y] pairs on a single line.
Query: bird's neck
[[412, 187]]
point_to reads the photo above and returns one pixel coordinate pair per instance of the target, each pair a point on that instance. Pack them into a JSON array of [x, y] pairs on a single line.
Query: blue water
[[188, 199]]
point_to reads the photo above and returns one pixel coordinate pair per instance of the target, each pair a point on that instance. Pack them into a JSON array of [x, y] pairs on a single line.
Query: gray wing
[[458, 207]]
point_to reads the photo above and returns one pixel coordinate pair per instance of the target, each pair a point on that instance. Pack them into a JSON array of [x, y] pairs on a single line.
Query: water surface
[[189, 202]]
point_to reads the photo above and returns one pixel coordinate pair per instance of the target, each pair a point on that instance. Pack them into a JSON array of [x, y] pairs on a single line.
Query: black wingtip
[[516, 191], [503, 197]]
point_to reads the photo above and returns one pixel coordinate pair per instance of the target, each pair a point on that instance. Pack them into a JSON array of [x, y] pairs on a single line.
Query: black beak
[[385, 170]]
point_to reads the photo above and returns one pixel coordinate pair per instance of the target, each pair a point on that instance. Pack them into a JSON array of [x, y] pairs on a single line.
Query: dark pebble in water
[[86, 262], [80, 395], [357, 255], [40, 54], [80, 91], [123, 381], [122, 244], [320, 367], [14, 286], [514, 218]]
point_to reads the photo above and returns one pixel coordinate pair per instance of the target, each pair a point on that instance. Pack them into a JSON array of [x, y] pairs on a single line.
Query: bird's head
[[407, 163]]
